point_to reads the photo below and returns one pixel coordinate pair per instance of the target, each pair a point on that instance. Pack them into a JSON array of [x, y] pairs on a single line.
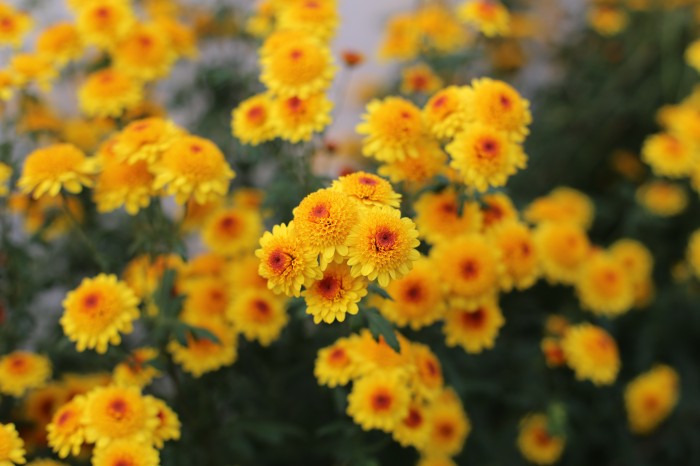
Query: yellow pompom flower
[[21, 371], [662, 198], [66, 432], [469, 268], [604, 287], [392, 128], [416, 172], [14, 25], [592, 354], [295, 119], [440, 29], [650, 398], [286, 261], [145, 140], [193, 167], [521, 266], [445, 113], [607, 20], [251, 121], [402, 39], [497, 208], [206, 297], [496, 104], [201, 355], [693, 253], [536, 443], [11, 446], [669, 156], [417, 298], [474, 329], [60, 43], [335, 364], [136, 370], [692, 55], [634, 257], [5, 174], [115, 413], [104, 22], [109, 93], [168, 423], [126, 453], [144, 53], [412, 431], [335, 294], [259, 315], [379, 401], [368, 188], [56, 167], [419, 78], [382, 246], [563, 204], [562, 248], [98, 311], [488, 16], [324, 219], [438, 219], [376, 356], [299, 68], [484, 156], [318, 18], [427, 379], [449, 425], [232, 231], [27, 68]]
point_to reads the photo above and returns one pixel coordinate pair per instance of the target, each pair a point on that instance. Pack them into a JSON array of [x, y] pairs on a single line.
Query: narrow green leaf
[[379, 326], [180, 333], [556, 419], [200, 333], [376, 289]]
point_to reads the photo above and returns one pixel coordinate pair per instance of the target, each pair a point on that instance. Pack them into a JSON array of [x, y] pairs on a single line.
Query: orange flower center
[[445, 430], [414, 293], [230, 225], [320, 211], [118, 409], [384, 239], [469, 269], [338, 357], [492, 214], [18, 365], [488, 148], [475, 319], [295, 104], [64, 417], [420, 82], [279, 261], [256, 114], [262, 310], [329, 287], [505, 102], [542, 438], [366, 180], [381, 401], [414, 419], [448, 207]]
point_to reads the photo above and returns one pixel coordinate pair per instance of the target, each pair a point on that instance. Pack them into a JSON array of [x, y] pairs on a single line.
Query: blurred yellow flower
[[259, 315], [21, 371], [662, 198], [126, 452], [60, 43], [14, 26], [369, 189], [12, 446], [5, 175], [473, 328], [536, 443], [56, 167], [592, 353], [490, 17], [650, 398], [201, 355], [109, 93], [438, 220], [144, 53], [378, 401], [251, 120], [419, 78]]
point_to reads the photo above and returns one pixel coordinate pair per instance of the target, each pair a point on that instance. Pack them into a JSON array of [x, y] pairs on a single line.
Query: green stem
[[97, 257]]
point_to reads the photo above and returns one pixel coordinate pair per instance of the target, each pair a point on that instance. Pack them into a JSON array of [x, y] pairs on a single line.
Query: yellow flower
[[474, 329], [367, 188], [693, 253], [168, 423], [193, 167], [232, 231], [295, 119], [376, 356], [634, 257], [445, 113], [427, 379], [662, 198], [45, 462], [324, 219], [604, 287], [496, 104], [692, 55], [413, 429], [607, 20], [419, 78], [143, 274], [335, 294], [286, 261], [95, 313], [335, 364], [14, 25], [393, 127], [497, 208], [521, 267], [449, 425], [41, 404], [563, 204], [553, 353], [650, 398], [379, 401], [11, 446], [536, 443], [5, 175], [136, 370], [202, 355], [109, 93], [469, 268], [7, 85], [205, 297], [32, 67], [144, 53], [488, 16], [60, 43], [417, 298], [145, 140], [669, 156], [104, 22], [382, 246], [258, 315], [66, 432], [48, 170], [419, 171], [402, 39], [592, 353], [438, 219], [440, 29], [562, 248], [126, 453], [181, 37], [243, 274], [316, 18], [86, 134], [21, 371], [251, 121]]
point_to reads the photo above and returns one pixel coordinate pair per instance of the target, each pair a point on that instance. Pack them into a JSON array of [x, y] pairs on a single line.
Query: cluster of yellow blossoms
[[611, 17], [401, 393], [297, 69]]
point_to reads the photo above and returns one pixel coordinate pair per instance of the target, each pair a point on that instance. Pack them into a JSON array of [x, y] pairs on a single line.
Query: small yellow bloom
[[11, 446], [592, 353], [21, 371], [56, 167], [109, 93], [536, 443], [650, 398]]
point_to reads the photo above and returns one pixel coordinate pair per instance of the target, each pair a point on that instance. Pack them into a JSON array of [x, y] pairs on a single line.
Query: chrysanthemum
[[205, 298], [232, 231], [136, 370], [193, 167], [416, 172], [299, 68], [318, 18], [497, 208], [562, 248], [412, 431], [563, 204], [419, 78], [334, 295], [98, 311], [445, 113], [259, 315], [203, 355], [48, 170], [662, 198], [427, 379], [402, 39], [607, 20], [204, 266], [438, 218], [379, 401], [553, 353], [243, 274], [144, 53], [382, 246], [61, 43], [650, 398], [474, 329], [168, 423], [368, 188], [14, 25], [536, 443], [604, 286], [521, 266], [324, 219], [669, 156], [286, 261], [251, 120], [145, 139], [104, 22], [592, 353], [143, 273], [392, 128], [440, 29], [335, 364], [5, 174], [29, 68], [375, 355], [66, 432], [295, 119], [449, 425], [11, 446], [484, 156], [40, 404], [126, 453], [109, 93], [488, 16], [469, 268], [692, 55], [21, 371], [693, 253], [496, 104], [417, 298]]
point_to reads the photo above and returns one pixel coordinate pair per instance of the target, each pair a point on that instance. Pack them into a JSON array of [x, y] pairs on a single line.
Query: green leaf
[[272, 432], [180, 331], [376, 289], [200, 333], [379, 326], [556, 419], [157, 363], [168, 303]]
